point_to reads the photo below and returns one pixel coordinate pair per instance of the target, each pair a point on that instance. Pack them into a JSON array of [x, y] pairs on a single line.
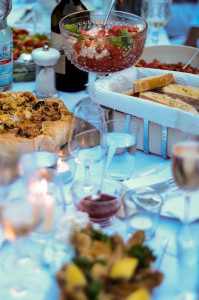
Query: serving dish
[[171, 54], [160, 126]]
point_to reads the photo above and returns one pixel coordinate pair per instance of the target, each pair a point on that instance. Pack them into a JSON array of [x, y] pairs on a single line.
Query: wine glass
[[185, 168], [87, 115], [18, 217], [88, 147], [102, 54], [157, 14]]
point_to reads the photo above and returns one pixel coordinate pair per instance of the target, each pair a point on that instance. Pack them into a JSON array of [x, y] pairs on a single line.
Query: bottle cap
[[45, 56]]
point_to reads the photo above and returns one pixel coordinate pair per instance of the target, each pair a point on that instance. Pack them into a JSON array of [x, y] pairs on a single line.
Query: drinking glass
[[143, 211], [88, 147], [157, 13], [121, 138], [101, 207], [185, 168], [38, 153]]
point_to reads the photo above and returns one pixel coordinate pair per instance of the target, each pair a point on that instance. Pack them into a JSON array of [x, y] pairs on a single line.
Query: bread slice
[[187, 94], [168, 101], [152, 82]]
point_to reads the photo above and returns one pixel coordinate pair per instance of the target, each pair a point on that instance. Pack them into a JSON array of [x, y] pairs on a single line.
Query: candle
[[48, 221], [47, 203], [63, 171], [62, 166]]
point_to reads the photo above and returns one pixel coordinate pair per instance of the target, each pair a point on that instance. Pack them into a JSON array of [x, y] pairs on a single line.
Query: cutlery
[[190, 59], [159, 187], [107, 16]]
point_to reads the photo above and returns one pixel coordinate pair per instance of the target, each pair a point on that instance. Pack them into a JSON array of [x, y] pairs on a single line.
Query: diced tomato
[[78, 47], [101, 33], [87, 43], [114, 31], [20, 46], [16, 54], [30, 43], [133, 29], [23, 31], [84, 32]]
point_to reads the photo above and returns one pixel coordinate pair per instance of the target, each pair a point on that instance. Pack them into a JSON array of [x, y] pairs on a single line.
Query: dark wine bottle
[[133, 6], [68, 77]]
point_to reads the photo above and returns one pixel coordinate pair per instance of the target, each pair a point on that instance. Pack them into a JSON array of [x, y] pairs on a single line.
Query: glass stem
[[87, 172], [187, 198], [155, 35]]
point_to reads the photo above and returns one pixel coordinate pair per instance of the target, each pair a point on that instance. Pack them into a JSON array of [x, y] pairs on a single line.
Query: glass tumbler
[[142, 210]]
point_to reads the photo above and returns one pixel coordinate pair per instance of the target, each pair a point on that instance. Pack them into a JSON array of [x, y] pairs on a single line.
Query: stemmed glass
[[185, 168], [87, 147], [18, 217], [157, 13], [87, 115]]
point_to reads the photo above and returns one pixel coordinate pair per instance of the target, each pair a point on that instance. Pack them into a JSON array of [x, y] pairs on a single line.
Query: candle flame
[[61, 154], [43, 187], [9, 233], [59, 162]]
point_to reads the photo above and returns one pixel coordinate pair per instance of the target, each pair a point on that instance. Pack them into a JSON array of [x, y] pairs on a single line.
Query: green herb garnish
[[99, 236], [115, 41], [93, 289], [100, 261], [72, 28], [125, 39], [82, 262], [142, 253]]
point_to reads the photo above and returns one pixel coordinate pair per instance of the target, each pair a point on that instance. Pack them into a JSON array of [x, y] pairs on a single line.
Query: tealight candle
[[63, 171]]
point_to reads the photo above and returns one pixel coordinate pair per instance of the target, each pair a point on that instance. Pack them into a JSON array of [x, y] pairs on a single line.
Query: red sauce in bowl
[[103, 207]]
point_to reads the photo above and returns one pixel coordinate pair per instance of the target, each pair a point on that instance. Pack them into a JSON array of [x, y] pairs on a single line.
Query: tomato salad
[[104, 51], [23, 42]]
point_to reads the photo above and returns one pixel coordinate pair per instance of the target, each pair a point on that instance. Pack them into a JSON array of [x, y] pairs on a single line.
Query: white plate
[[171, 54]]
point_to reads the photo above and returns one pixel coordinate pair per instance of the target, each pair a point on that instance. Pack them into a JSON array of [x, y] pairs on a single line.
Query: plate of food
[[23, 44], [170, 57], [106, 267]]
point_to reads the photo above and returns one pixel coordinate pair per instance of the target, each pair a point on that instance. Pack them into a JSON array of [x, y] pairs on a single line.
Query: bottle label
[[6, 64], [56, 43]]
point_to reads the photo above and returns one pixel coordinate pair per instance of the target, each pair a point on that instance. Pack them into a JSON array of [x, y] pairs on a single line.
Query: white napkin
[[108, 91], [173, 206]]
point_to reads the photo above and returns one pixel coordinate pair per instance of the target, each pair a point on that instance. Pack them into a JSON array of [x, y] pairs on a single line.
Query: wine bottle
[[133, 6], [68, 77]]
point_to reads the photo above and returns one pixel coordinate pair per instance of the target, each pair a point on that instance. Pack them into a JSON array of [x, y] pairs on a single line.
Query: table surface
[[167, 227]]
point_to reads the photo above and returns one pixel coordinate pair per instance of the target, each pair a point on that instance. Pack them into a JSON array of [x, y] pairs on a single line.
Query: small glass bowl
[[101, 206]]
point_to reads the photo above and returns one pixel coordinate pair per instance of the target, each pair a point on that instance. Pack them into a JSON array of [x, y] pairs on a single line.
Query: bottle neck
[[3, 23]]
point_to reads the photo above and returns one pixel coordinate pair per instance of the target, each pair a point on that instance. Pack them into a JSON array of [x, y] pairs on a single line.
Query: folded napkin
[[174, 205]]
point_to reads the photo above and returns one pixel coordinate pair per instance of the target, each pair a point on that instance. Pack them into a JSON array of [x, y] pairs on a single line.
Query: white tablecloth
[[145, 165]]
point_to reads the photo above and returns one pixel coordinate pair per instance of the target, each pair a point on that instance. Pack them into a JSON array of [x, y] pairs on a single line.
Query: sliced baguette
[[152, 82], [168, 101], [187, 94]]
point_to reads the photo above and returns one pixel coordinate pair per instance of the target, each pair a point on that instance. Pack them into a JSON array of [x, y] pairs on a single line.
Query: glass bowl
[[106, 54], [100, 208]]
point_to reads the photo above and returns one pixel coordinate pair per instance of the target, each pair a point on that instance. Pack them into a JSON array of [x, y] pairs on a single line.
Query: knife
[[158, 187]]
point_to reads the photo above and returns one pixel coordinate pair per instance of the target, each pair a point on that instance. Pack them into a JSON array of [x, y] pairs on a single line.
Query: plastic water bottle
[[6, 45]]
